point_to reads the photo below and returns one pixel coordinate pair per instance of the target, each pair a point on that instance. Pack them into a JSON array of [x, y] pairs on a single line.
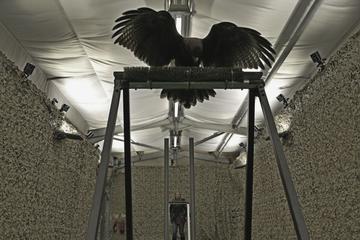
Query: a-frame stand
[[192, 78]]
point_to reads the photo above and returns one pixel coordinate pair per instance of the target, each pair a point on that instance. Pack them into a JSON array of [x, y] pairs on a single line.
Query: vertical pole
[[105, 216], [127, 150], [192, 189], [104, 163], [166, 188], [290, 192], [249, 166]]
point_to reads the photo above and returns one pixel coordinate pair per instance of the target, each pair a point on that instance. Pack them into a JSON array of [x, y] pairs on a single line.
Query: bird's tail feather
[[187, 98]]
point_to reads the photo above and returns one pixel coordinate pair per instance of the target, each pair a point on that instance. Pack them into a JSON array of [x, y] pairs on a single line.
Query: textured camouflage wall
[[218, 200], [323, 151], [46, 186]]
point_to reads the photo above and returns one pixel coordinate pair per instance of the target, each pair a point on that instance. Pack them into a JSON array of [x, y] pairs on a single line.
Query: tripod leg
[[105, 158], [166, 188], [250, 165], [127, 156], [290, 192], [192, 189]]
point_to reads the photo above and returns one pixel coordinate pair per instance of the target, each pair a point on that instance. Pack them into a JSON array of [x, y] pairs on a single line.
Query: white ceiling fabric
[[70, 41]]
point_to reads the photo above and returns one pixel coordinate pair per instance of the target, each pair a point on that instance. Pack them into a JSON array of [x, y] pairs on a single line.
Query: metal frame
[[166, 188], [105, 159], [127, 156], [252, 81], [250, 165], [192, 189]]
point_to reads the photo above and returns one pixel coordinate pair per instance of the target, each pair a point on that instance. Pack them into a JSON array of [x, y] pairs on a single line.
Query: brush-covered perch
[[188, 78]]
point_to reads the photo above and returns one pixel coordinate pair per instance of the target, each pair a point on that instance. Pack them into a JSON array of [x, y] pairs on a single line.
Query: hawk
[[152, 37]]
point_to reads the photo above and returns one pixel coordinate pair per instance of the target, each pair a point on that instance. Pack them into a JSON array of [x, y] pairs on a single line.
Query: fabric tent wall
[[323, 150], [46, 186], [12, 48]]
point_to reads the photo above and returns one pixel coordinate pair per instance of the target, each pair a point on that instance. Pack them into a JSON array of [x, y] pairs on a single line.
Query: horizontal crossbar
[[188, 78]]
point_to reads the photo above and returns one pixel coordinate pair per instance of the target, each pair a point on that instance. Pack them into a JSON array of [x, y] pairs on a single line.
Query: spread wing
[[228, 45], [150, 35]]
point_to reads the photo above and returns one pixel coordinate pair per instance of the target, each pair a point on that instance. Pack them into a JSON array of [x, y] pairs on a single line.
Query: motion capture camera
[[64, 108], [283, 99], [316, 58], [242, 146], [28, 69]]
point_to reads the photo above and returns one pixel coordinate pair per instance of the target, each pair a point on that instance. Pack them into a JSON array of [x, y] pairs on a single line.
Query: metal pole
[[290, 192], [214, 135], [105, 158], [100, 233], [139, 144], [127, 150], [166, 188], [249, 166], [106, 222], [192, 188]]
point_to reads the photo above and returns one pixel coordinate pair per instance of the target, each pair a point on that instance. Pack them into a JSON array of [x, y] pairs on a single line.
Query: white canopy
[[70, 44]]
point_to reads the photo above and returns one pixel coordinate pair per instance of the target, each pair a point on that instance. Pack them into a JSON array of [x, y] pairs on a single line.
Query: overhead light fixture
[[28, 69], [175, 138], [281, 98], [240, 161], [316, 58], [64, 108]]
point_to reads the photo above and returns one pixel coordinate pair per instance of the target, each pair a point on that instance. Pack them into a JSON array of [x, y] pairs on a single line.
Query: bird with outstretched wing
[[152, 37]]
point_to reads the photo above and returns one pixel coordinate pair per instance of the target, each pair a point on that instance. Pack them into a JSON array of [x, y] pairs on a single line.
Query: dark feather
[[230, 45], [151, 35]]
